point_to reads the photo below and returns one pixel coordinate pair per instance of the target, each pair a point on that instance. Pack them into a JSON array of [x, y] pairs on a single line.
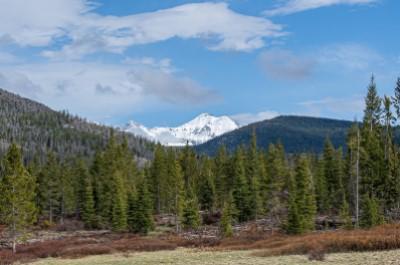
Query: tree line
[[359, 182]]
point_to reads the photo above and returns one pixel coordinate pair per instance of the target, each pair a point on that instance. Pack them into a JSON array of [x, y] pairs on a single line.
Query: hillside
[[38, 129], [296, 133]]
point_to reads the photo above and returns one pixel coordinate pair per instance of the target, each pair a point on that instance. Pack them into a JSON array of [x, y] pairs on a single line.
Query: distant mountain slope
[[296, 133], [38, 128], [199, 130]]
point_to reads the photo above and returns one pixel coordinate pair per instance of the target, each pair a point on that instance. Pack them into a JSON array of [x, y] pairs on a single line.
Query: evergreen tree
[[277, 173], [373, 108], [321, 191], [190, 216], [17, 189], [228, 213], [140, 217], [253, 170], [88, 206], [241, 193], [158, 176], [345, 215], [305, 200], [294, 219], [222, 186], [370, 213], [207, 186], [333, 175], [119, 204], [396, 99], [49, 184]]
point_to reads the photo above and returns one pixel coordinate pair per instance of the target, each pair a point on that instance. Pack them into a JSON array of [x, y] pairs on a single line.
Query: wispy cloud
[[284, 64], [351, 56], [333, 107], [343, 57], [295, 6], [96, 90], [78, 30], [246, 118]]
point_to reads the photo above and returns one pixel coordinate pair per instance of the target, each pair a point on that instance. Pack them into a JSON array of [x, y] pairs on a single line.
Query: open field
[[250, 245], [193, 257]]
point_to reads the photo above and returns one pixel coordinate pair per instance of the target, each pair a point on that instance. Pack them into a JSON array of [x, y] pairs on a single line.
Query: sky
[[161, 63]]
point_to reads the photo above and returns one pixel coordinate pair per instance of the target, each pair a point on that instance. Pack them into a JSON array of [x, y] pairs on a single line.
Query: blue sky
[[163, 62]]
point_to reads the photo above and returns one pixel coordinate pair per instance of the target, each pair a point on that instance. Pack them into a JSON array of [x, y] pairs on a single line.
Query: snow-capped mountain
[[199, 130]]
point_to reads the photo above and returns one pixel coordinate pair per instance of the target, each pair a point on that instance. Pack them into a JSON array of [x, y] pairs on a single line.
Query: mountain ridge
[[296, 133], [202, 128]]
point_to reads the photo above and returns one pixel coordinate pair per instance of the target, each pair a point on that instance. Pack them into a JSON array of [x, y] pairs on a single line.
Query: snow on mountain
[[199, 130]]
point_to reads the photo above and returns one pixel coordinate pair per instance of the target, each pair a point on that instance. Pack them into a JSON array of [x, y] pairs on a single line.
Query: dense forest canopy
[[38, 129]]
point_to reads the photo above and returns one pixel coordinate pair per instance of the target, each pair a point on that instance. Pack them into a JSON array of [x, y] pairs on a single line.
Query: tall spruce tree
[[140, 217], [207, 186], [241, 193], [17, 189], [294, 224], [119, 204], [228, 213], [88, 212], [305, 198], [191, 216]]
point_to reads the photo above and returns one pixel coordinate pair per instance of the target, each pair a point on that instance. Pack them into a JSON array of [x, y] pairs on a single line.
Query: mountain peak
[[202, 128]]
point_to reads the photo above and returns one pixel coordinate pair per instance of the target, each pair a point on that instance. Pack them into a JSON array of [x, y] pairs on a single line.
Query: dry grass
[[314, 245], [192, 257], [386, 237], [81, 247]]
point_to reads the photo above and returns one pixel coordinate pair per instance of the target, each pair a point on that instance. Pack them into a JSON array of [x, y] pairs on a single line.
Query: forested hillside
[[39, 129], [297, 134]]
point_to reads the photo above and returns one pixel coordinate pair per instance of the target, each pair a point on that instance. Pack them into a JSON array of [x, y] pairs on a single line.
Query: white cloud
[[97, 90], [246, 118], [78, 30], [343, 57], [39, 22], [284, 64], [6, 58], [334, 107], [351, 56], [162, 64], [295, 6], [19, 83]]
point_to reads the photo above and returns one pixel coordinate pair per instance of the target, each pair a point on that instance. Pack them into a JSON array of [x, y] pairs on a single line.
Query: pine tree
[[321, 192], [372, 157], [306, 204], [140, 217], [370, 212], [176, 188], [228, 213], [17, 189], [277, 182], [158, 177], [373, 109], [396, 99], [222, 186], [49, 187], [345, 215], [333, 175], [253, 174], [241, 193], [294, 219], [190, 216], [119, 204], [207, 186], [88, 206]]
